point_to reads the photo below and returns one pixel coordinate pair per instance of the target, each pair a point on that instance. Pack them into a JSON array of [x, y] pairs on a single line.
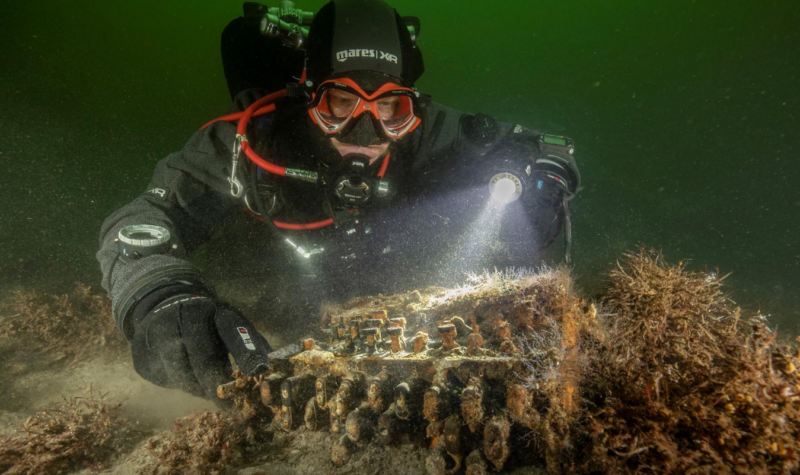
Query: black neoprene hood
[[363, 39]]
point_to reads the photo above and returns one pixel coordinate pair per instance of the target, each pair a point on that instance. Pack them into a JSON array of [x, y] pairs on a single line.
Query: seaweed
[[82, 432], [79, 324], [683, 383], [211, 442], [204, 443], [554, 346]]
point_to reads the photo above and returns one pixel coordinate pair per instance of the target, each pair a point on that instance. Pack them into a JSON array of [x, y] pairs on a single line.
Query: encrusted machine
[[483, 375]]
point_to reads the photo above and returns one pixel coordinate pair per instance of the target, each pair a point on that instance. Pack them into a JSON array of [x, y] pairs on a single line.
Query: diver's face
[[374, 152], [341, 104]]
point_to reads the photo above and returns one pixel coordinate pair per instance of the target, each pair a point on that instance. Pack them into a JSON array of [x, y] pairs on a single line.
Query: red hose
[[237, 115], [253, 156], [266, 105], [248, 113], [293, 226], [241, 129], [303, 227], [384, 165]]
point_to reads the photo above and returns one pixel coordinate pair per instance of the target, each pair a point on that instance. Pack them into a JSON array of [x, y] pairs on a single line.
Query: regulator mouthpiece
[[505, 188], [355, 185]]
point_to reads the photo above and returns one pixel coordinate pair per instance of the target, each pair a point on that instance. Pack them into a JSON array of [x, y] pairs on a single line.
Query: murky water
[[685, 116]]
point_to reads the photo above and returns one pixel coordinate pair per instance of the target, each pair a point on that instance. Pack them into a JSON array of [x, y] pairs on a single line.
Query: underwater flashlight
[[516, 174], [505, 188], [525, 173]]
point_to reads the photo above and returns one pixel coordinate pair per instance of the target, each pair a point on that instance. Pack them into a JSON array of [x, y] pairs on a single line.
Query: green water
[[685, 116]]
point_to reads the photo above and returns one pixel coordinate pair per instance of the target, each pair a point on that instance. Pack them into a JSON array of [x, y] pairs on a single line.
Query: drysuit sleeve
[[460, 150], [189, 195]]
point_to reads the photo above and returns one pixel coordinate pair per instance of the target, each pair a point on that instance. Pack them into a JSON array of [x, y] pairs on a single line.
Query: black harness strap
[[426, 144]]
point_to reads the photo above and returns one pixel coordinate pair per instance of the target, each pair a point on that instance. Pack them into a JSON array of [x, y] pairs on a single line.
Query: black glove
[[183, 342], [544, 205]]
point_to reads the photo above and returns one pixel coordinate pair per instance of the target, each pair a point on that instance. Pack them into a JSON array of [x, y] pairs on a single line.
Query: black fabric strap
[[426, 144]]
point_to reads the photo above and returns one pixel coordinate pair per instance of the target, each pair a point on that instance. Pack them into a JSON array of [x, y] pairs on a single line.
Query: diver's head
[[361, 64]]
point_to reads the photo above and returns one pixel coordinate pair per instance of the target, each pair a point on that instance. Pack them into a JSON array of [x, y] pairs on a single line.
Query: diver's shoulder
[[247, 97]]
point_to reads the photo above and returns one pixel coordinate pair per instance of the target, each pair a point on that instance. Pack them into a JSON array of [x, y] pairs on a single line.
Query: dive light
[[514, 176], [505, 187]]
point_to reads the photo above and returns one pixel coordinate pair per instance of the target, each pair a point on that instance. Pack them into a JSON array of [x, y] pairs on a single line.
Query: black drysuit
[[438, 180]]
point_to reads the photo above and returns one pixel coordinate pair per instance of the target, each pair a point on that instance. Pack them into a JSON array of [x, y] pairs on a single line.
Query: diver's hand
[[544, 205], [183, 342]]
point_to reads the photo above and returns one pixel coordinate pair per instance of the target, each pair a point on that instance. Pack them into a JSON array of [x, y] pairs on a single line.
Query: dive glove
[[183, 342], [544, 205]]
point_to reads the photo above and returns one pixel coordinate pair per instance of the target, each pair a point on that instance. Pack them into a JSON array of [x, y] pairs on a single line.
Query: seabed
[[512, 372]]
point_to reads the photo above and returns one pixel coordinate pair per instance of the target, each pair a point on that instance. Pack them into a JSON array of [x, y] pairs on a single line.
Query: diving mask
[[340, 102]]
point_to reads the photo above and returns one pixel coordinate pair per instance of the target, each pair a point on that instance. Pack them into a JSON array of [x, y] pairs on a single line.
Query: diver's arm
[[188, 195], [180, 333], [452, 138]]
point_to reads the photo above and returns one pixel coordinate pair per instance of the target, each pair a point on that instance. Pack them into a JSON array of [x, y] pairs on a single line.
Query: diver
[[352, 174]]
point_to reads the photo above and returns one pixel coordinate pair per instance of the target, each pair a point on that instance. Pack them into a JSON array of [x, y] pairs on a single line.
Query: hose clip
[[237, 188]]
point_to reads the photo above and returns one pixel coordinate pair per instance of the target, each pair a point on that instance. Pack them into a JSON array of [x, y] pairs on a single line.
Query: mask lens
[[335, 108], [387, 107], [400, 118], [341, 104]]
